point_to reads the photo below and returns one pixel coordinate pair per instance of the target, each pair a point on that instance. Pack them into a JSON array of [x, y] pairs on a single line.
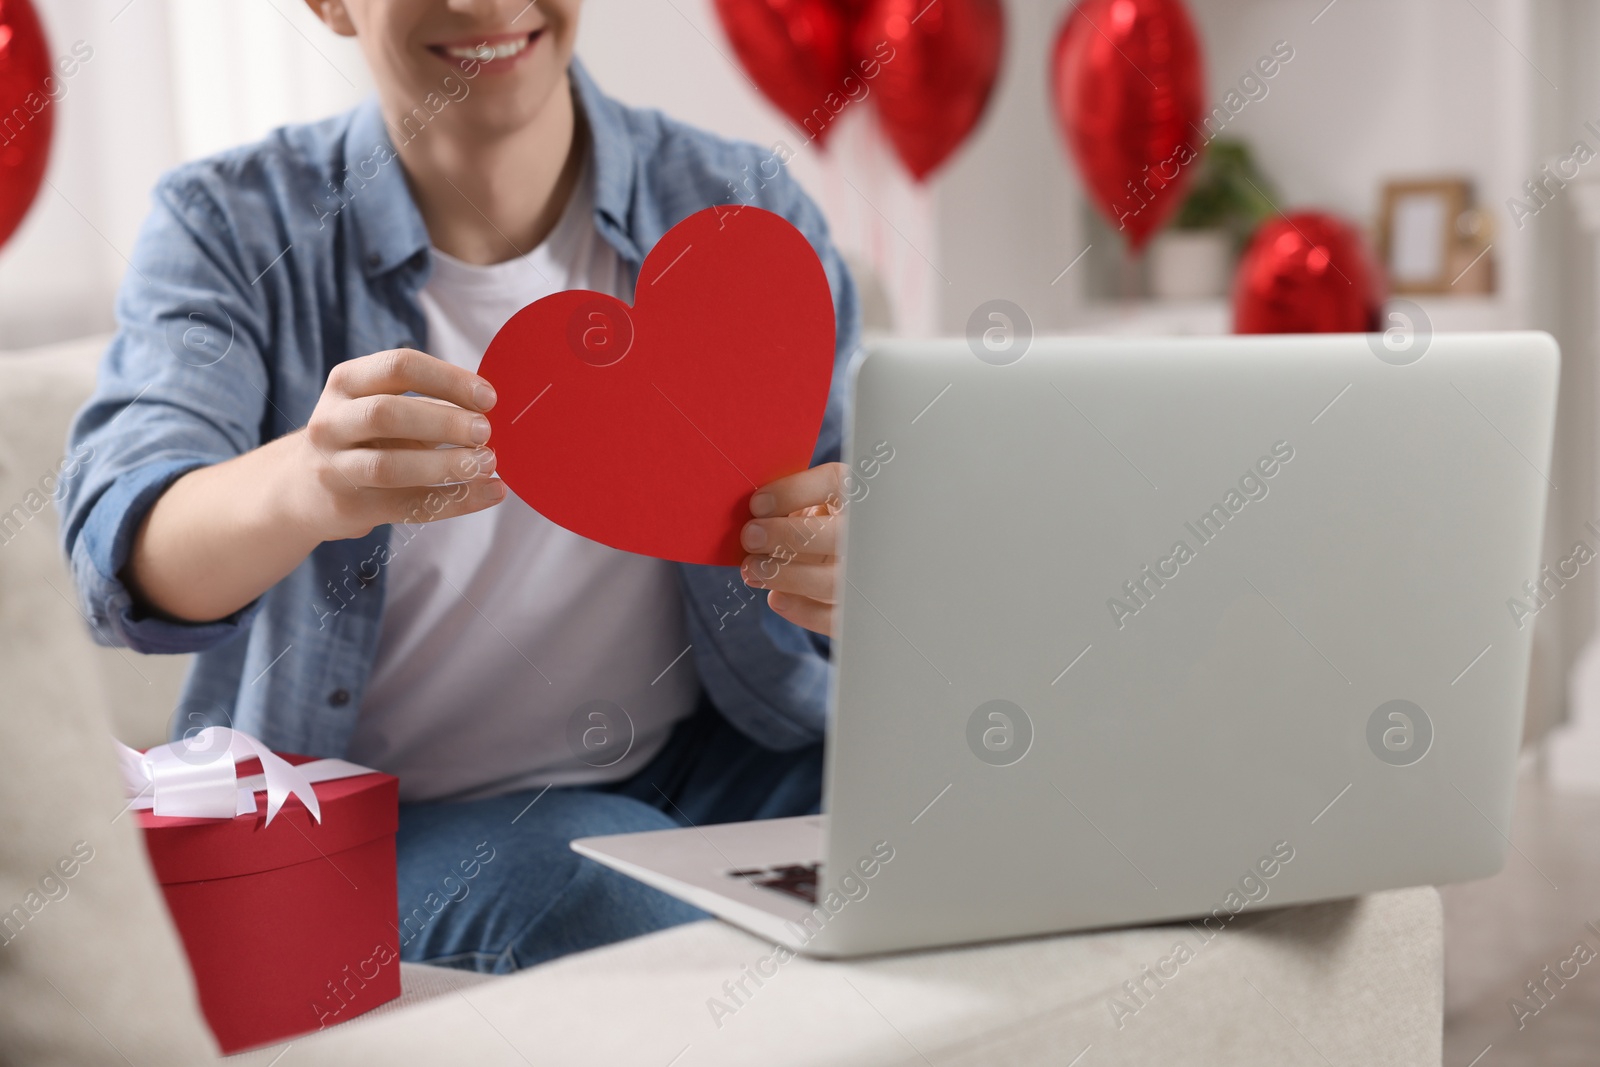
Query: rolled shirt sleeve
[[183, 385]]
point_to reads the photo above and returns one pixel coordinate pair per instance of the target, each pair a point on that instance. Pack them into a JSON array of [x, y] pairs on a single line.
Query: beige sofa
[[97, 975]]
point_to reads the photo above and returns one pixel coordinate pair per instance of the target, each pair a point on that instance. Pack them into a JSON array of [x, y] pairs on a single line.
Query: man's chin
[[487, 119]]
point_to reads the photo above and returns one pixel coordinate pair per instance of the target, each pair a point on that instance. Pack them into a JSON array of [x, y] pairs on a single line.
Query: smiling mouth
[[495, 52]]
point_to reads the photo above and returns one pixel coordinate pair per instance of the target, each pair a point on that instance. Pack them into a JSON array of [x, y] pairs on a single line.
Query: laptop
[[1145, 630]]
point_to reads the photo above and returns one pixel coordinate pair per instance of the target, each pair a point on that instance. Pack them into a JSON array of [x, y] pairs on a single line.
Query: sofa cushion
[[91, 971], [1354, 981], [40, 391]]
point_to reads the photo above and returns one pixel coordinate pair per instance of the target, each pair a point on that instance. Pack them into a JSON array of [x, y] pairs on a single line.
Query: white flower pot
[[1191, 264]]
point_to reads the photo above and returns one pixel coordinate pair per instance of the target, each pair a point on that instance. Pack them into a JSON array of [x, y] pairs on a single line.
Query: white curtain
[[165, 81]]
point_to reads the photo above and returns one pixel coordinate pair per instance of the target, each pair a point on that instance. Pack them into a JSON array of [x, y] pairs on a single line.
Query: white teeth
[[486, 52]]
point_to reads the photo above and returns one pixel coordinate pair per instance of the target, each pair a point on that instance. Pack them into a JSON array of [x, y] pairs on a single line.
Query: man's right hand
[[222, 535], [377, 456]]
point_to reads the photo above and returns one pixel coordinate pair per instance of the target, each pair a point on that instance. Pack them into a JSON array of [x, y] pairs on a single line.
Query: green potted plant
[[1193, 258]]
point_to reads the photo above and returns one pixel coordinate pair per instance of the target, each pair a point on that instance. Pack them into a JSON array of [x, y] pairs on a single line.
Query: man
[[293, 476]]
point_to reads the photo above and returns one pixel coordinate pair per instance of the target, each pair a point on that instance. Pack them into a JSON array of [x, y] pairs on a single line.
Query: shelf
[[1459, 314], [1211, 318], [1157, 318]]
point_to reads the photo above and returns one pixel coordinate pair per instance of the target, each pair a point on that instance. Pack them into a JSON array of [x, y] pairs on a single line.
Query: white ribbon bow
[[198, 777]]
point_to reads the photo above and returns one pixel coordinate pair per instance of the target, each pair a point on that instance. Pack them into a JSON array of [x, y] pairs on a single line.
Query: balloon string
[[1128, 276]]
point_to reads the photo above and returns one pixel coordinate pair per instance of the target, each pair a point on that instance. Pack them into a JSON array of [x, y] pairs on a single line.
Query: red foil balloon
[[1307, 272], [1129, 88], [27, 110], [936, 63], [798, 54]]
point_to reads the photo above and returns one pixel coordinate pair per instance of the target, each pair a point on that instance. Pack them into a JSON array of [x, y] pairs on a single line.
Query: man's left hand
[[793, 545]]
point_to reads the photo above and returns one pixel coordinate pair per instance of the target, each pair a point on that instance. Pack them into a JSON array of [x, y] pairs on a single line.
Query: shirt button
[[373, 259], [339, 697]]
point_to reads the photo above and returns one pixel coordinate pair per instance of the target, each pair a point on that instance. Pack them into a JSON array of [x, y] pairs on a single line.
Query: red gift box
[[289, 927]]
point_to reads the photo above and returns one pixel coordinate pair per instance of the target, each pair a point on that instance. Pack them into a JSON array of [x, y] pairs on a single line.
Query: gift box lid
[[354, 811]]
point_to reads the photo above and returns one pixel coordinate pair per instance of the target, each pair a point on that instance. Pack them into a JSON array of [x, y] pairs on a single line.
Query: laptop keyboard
[[798, 880]]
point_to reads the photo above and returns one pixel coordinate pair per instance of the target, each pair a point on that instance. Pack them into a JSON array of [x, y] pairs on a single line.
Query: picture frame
[[1417, 232]]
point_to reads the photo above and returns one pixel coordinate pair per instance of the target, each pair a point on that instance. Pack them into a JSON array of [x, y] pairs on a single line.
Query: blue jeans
[[491, 885]]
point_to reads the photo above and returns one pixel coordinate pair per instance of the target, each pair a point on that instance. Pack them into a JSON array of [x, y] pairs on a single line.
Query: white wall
[[675, 57], [1009, 201], [1382, 89]]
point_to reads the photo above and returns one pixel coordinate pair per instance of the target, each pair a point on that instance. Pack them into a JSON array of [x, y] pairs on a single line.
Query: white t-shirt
[[514, 653]]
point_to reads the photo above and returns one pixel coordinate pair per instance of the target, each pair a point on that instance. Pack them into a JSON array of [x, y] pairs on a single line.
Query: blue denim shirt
[[257, 271]]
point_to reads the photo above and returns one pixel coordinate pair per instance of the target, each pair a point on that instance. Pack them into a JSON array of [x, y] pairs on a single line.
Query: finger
[[405, 370], [809, 535], [387, 418], [803, 611], [821, 485], [783, 558], [413, 506], [815, 580], [402, 468]]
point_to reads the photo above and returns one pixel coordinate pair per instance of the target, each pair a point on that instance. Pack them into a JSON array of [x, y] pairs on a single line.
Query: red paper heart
[[647, 428]]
